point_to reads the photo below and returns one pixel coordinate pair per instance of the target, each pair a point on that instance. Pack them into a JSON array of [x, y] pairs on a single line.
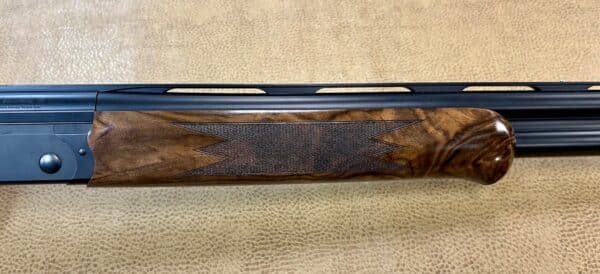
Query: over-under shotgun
[[116, 135]]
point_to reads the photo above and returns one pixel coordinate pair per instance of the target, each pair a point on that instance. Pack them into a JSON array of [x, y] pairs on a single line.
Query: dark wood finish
[[187, 147]]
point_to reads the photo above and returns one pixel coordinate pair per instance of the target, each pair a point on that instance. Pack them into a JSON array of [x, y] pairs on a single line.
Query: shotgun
[[175, 134]]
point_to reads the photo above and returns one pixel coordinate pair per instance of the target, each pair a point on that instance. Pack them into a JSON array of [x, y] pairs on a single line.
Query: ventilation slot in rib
[[217, 90], [364, 90], [594, 88], [497, 88]]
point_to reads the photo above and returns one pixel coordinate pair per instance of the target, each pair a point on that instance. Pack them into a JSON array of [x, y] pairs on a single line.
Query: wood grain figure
[[202, 147]]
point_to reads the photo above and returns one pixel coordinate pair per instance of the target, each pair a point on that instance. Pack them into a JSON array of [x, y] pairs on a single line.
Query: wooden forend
[[201, 147]]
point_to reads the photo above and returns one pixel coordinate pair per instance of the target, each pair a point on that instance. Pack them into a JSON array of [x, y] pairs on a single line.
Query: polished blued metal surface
[[50, 163], [42, 128], [40, 119], [44, 152]]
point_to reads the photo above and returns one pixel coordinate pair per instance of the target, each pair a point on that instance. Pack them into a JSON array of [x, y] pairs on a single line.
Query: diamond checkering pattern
[[277, 148]]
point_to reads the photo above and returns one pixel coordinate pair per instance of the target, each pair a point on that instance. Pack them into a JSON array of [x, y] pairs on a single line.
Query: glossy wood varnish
[[201, 147]]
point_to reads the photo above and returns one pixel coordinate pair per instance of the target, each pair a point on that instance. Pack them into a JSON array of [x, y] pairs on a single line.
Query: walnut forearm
[[159, 147]]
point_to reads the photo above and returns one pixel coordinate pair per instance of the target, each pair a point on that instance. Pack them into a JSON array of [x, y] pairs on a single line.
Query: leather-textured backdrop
[[542, 217]]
